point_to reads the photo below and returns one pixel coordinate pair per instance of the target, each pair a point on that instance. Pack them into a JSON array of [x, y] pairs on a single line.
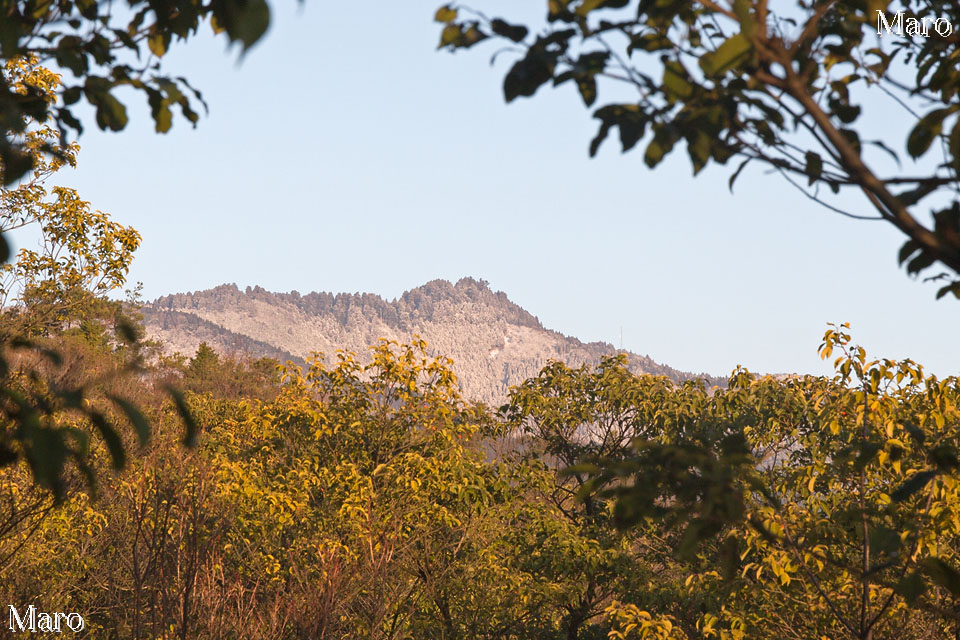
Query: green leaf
[[699, 151], [88, 9], [110, 436], [449, 35], [909, 248], [245, 21], [610, 116], [584, 72], [814, 168], [654, 153], [920, 139], [866, 452], [916, 433], [663, 140], [71, 95], [852, 137], [40, 8], [158, 43], [528, 75], [136, 418], [748, 23], [509, 31], [124, 37], [880, 145], [676, 83], [111, 114], [954, 145], [587, 86], [458, 36], [7, 455], [15, 163], [190, 435], [445, 14], [910, 587], [844, 111], [942, 574], [46, 455], [944, 456], [926, 131], [913, 196], [920, 262], [884, 539], [914, 484], [736, 173], [953, 288], [591, 5], [127, 331], [160, 110], [694, 533], [729, 55]]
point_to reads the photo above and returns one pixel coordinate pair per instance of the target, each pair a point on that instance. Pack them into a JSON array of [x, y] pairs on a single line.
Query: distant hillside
[[493, 342]]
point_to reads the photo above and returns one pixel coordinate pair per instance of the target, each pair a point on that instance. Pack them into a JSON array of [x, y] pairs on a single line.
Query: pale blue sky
[[346, 154]]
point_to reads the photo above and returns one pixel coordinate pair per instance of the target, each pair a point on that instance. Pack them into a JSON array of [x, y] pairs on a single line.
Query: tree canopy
[[48, 411], [105, 47], [371, 501], [785, 85]]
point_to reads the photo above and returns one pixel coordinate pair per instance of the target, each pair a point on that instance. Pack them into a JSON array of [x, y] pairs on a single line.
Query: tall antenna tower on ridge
[[621, 337]]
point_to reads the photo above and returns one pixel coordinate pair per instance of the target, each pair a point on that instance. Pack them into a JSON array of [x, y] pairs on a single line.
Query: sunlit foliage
[[803, 89], [371, 501]]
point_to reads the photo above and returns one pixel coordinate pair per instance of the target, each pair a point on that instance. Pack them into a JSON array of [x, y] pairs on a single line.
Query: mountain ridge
[[493, 342]]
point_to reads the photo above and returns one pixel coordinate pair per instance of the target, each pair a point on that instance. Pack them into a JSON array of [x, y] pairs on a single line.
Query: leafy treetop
[[784, 85], [105, 47]]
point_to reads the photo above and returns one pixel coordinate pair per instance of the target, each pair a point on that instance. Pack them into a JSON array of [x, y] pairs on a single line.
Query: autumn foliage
[[208, 497]]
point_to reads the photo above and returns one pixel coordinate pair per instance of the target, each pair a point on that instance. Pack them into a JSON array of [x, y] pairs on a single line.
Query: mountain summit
[[493, 342]]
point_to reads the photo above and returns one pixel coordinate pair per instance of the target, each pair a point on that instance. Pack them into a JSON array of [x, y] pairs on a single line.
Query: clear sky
[[346, 154]]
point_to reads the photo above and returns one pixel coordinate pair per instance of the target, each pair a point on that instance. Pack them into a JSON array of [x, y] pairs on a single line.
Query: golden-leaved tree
[[58, 398], [81, 253], [809, 507], [357, 503]]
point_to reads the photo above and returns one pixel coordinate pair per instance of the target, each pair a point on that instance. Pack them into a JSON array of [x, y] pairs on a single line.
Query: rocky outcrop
[[493, 342]]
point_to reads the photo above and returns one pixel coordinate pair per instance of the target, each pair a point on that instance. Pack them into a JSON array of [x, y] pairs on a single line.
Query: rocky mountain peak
[[493, 342]]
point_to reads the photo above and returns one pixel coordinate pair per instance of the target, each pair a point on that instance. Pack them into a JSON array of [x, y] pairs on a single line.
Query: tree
[[105, 49], [83, 254], [562, 417], [45, 417], [227, 376], [204, 363], [809, 507], [356, 503], [362, 501], [781, 86]]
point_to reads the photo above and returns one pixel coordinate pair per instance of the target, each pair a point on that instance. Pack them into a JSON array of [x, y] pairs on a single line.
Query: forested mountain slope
[[493, 342]]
